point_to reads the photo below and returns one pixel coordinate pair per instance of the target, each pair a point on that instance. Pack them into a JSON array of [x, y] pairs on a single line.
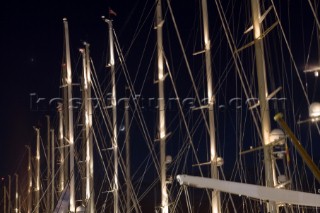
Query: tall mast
[[5, 199], [114, 118], [19, 209], [37, 186], [89, 186], [161, 102], [48, 166], [215, 199], [85, 179], [127, 142], [89, 103], [264, 106], [61, 149], [16, 204], [70, 118], [29, 195], [52, 170], [9, 195], [65, 116]]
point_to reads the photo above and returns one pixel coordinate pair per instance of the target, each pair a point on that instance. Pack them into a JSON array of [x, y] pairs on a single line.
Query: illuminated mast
[[9, 195], [5, 199], [16, 204], [62, 150], [52, 170], [114, 119], [29, 195], [127, 143], [48, 166], [89, 187], [215, 199], [72, 207], [161, 110], [264, 106], [37, 163]]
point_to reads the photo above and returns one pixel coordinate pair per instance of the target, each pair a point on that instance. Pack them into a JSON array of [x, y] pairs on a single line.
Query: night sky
[[32, 48], [31, 57]]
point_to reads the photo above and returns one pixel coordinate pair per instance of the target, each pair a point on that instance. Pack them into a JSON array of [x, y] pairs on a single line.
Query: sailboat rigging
[[199, 88]]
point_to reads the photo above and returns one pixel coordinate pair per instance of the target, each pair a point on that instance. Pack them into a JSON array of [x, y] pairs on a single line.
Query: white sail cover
[[63, 203], [254, 191]]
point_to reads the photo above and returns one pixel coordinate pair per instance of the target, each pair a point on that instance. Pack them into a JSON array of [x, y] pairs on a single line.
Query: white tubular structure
[[61, 151], [9, 195], [114, 119], [264, 106], [16, 196], [52, 170], [86, 87], [127, 143], [48, 195], [215, 199], [161, 110], [90, 140], [29, 198], [253, 191], [72, 206], [37, 175], [5, 199]]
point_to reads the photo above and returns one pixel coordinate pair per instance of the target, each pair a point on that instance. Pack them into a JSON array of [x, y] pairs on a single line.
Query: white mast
[[90, 139], [72, 206], [127, 142], [9, 195], [89, 187], [37, 186], [114, 118], [29, 195], [85, 158], [61, 148], [215, 199], [5, 199], [16, 205], [65, 131], [91, 165], [264, 106], [19, 209], [48, 166], [52, 170], [161, 110]]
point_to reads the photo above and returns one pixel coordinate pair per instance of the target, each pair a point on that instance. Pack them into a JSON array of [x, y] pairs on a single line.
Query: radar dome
[[275, 135], [314, 110], [80, 209]]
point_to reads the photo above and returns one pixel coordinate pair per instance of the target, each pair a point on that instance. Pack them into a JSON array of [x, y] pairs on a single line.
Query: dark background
[[31, 57]]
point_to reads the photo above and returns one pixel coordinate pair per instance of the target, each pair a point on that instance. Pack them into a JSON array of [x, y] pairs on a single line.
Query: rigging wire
[[237, 61], [187, 63]]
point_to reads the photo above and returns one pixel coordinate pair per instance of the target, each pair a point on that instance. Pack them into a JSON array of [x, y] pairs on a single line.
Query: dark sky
[[31, 57], [32, 48]]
